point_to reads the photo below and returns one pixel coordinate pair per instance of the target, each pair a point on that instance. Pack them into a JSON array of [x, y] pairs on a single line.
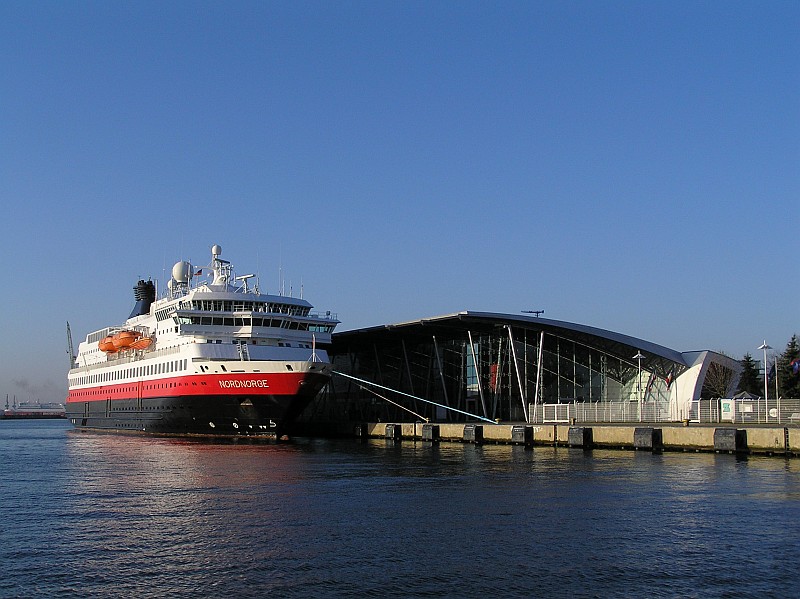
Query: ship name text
[[247, 384]]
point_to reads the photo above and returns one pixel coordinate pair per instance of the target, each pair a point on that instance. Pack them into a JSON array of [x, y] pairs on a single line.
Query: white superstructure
[[212, 330]]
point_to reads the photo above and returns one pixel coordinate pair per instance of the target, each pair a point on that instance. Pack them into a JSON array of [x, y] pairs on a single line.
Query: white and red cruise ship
[[213, 356]]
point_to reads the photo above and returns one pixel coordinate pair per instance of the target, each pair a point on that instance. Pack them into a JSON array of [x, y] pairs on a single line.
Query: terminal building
[[472, 366]]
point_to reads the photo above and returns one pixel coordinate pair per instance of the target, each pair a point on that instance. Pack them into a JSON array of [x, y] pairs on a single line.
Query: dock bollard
[[648, 438], [430, 432], [580, 436], [473, 433], [394, 432], [732, 440], [522, 435], [361, 431]]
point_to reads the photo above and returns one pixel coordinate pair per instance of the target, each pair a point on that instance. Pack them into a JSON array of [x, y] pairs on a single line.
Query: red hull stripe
[[284, 383]]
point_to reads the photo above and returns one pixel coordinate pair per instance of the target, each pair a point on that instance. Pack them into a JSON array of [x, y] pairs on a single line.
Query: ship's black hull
[[212, 415]]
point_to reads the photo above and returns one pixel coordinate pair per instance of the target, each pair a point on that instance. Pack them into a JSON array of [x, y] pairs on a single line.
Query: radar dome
[[216, 250], [182, 272]]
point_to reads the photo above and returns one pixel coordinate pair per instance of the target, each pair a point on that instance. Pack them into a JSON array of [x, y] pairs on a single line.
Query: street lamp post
[[639, 357], [765, 347]]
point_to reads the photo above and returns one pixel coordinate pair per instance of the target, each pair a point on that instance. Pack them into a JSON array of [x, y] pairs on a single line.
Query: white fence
[[772, 411]]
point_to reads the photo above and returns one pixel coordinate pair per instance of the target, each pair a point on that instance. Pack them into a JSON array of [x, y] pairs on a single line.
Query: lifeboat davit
[[124, 339], [106, 344], [141, 343]]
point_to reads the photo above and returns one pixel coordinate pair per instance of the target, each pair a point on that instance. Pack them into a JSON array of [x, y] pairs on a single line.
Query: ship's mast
[[221, 268], [70, 349]]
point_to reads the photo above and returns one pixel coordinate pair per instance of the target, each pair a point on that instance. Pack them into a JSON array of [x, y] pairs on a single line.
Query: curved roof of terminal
[[616, 343]]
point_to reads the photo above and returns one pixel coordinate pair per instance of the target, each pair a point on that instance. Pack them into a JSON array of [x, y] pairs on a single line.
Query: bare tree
[[718, 381]]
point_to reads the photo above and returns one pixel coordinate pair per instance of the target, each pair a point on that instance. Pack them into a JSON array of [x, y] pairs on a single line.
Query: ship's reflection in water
[[183, 515], [139, 516]]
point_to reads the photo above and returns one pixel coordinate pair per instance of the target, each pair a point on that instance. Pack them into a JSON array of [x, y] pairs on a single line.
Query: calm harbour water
[[88, 515]]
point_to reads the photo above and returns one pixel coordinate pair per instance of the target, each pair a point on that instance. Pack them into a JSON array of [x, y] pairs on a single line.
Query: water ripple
[[107, 516]]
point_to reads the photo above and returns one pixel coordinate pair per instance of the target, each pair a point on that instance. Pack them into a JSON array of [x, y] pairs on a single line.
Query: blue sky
[[627, 165]]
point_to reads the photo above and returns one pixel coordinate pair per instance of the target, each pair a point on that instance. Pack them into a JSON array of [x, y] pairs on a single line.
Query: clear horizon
[[628, 166]]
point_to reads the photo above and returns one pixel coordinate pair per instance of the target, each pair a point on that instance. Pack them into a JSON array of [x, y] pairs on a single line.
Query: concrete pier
[[763, 440]]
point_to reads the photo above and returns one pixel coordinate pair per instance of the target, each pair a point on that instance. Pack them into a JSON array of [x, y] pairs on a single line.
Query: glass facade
[[491, 366]]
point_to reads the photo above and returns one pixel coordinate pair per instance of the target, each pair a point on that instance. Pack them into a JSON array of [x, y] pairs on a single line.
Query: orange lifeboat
[[106, 344], [124, 339], [141, 343]]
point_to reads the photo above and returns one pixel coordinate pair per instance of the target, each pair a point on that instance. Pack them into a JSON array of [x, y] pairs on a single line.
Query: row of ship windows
[[260, 342], [277, 323], [137, 371], [234, 306]]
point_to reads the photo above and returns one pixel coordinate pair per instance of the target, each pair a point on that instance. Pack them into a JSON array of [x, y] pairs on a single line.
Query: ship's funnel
[[145, 295]]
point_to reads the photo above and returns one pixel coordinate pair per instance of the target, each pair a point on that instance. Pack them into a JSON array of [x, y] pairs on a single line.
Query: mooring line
[[411, 396], [394, 403]]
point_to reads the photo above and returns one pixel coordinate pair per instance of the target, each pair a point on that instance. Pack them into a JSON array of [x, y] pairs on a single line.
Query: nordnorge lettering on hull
[[155, 372], [237, 384]]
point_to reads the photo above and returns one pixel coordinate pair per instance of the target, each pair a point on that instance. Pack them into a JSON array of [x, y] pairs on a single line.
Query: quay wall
[[765, 440]]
